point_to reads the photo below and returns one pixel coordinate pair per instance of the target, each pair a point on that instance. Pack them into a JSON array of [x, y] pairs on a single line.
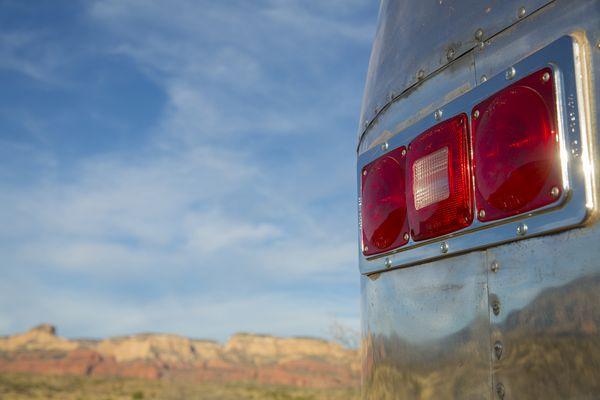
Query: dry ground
[[35, 387]]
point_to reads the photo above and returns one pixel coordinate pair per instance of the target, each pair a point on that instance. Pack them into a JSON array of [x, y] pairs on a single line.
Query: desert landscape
[[40, 364]]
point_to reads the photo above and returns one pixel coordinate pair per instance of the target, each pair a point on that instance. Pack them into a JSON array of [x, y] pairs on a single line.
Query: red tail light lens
[[439, 176], [383, 207], [516, 151]]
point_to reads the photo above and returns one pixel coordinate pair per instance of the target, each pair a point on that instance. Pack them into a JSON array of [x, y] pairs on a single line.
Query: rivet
[[437, 115], [483, 78], [388, 263], [498, 349], [522, 12], [403, 152], [366, 249], [385, 146], [500, 391], [495, 266], [420, 74], [406, 236], [575, 148], [479, 34], [481, 214], [598, 45], [444, 247], [366, 123], [450, 54], [364, 172], [476, 114], [510, 73], [496, 307], [546, 77], [521, 229], [555, 192]]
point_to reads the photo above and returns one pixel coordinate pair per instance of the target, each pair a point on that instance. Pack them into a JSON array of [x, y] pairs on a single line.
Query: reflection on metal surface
[[416, 38], [426, 332], [550, 324], [430, 331], [423, 101], [427, 335]]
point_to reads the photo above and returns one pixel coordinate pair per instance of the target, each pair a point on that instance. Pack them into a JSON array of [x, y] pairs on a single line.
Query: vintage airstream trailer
[[477, 173]]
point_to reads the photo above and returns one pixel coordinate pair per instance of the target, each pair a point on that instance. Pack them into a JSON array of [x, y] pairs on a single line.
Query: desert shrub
[[139, 395]]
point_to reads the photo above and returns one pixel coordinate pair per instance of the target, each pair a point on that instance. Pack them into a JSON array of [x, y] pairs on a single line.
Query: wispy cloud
[[234, 211]]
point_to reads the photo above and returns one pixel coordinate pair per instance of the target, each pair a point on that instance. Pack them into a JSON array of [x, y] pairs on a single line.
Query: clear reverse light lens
[[430, 179]]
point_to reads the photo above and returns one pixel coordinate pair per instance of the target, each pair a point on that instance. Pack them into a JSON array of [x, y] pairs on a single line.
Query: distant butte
[[245, 357]]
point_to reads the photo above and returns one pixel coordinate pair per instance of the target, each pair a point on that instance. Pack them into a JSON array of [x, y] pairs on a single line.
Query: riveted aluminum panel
[[414, 105], [416, 38], [548, 288], [429, 330], [426, 331]]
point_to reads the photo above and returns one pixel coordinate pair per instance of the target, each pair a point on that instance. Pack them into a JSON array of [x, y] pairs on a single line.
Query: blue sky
[[180, 166]]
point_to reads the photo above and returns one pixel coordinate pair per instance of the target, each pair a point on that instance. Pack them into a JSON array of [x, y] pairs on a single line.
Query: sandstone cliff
[[245, 357], [42, 337]]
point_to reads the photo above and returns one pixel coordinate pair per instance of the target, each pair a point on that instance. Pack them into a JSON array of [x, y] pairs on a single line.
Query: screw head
[[406, 236], [444, 247], [366, 123], [450, 54], [521, 229], [498, 349], [388, 262], [476, 114], [495, 266], [546, 77], [522, 12], [555, 192], [496, 307], [483, 78], [510, 73], [366, 248], [479, 34], [575, 148], [385, 146], [403, 152], [364, 172], [437, 115], [420, 74], [500, 391], [481, 214]]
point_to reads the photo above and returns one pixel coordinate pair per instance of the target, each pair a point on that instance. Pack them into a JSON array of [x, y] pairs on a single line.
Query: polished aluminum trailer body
[[496, 313]]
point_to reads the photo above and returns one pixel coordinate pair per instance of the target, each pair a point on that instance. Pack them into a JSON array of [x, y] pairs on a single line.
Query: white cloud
[[204, 198], [12, 57]]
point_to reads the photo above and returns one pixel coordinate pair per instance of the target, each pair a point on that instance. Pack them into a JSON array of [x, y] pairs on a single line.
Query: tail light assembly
[[505, 161], [385, 224], [516, 153], [439, 180]]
